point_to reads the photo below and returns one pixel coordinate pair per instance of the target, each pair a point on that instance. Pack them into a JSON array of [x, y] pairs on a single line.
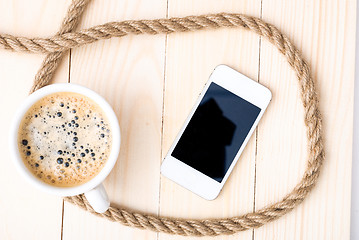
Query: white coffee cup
[[93, 189]]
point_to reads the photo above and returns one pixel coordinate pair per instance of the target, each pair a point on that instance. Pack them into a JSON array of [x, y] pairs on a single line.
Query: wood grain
[[321, 30], [190, 59], [128, 72], [152, 83], [24, 210]]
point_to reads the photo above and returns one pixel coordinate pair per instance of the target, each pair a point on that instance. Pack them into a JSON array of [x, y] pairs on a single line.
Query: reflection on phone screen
[[216, 132]]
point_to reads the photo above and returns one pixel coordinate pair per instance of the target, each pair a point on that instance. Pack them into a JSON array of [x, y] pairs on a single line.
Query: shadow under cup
[[19, 147]]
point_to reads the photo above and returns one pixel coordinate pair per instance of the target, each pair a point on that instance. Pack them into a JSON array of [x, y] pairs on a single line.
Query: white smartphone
[[216, 132]]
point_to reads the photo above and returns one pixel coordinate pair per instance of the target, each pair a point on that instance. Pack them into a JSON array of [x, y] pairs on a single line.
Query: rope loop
[[65, 39]]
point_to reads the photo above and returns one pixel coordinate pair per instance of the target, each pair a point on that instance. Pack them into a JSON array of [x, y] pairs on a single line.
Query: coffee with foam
[[65, 139]]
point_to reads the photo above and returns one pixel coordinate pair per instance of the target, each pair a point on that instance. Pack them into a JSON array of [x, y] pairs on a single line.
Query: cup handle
[[98, 199]]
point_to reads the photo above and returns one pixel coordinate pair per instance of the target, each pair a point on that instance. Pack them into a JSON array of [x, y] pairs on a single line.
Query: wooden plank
[[128, 72], [325, 34], [25, 212], [190, 59]]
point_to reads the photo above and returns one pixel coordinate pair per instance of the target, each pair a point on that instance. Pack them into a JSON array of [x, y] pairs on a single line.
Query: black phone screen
[[216, 132]]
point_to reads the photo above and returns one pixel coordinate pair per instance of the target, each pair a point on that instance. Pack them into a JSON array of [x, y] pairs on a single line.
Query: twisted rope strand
[[65, 40], [52, 59]]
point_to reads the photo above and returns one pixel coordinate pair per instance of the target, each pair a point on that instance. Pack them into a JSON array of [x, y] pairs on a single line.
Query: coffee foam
[[65, 139]]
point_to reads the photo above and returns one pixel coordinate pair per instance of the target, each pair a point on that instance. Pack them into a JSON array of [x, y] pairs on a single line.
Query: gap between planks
[[256, 132], [162, 122], [63, 201]]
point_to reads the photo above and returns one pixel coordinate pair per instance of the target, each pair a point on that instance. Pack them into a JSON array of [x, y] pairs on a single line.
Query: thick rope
[[52, 60], [198, 227]]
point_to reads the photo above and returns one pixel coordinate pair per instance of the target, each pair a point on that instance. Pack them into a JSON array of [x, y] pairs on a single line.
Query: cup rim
[[32, 99]]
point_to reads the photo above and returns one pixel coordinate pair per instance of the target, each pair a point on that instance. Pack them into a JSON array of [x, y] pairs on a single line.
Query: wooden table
[[152, 83]]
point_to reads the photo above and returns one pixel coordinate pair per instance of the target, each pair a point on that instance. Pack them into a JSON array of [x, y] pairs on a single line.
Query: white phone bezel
[[191, 178]]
